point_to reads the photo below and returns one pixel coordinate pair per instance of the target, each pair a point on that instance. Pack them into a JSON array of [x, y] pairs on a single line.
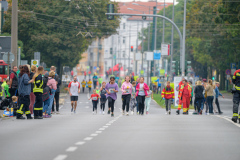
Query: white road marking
[[105, 126], [87, 107], [101, 129], [79, 143], [228, 119], [87, 102], [71, 149], [88, 138], [98, 131], [60, 157], [93, 135], [79, 102], [108, 124]]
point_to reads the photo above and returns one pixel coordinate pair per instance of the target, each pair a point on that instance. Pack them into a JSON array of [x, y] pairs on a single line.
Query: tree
[[54, 28]]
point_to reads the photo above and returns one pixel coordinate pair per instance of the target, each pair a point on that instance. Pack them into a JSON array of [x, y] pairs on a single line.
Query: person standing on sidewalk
[[236, 95], [126, 95], [57, 95], [141, 89], [53, 86], [168, 96], [32, 95], [74, 89], [199, 97], [13, 82], [184, 97], [112, 89], [24, 90], [159, 84], [38, 92], [209, 89], [217, 95]]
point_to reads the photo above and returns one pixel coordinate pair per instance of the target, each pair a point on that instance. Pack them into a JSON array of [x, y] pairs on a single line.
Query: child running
[[126, 94], [94, 98], [148, 100], [89, 83], [103, 98], [83, 85], [133, 101]]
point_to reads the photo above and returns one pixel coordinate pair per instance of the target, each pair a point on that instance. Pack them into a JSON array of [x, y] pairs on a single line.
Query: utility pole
[[129, 50], [172, 41], [99, 39], [142, 46], [136, 50], [155, 40], [184, 36], [19, 55], [163, 35], [14, 31], [112, 55]]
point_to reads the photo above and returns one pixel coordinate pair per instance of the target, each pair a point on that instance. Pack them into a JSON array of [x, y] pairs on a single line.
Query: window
[[124, 40], [123, 54], [2, 69]]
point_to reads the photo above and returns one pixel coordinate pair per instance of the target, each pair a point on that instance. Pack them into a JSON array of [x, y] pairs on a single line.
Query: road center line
[[105, 126], [93, 135], [98, 131], [79, 143], [88, 138], [101, 129], [60, 157], [71, 149]]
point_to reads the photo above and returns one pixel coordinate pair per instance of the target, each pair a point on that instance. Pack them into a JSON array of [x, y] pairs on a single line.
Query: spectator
[[13, 85], [53, 86], [32, 96]]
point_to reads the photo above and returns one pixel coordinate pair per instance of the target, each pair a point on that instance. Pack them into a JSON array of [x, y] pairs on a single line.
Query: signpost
[[157, 55], [233, 68], [35, 62], [165, 49], [228, 72]]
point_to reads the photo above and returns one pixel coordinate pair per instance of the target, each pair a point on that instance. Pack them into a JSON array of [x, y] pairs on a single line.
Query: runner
[[85, 74], [94, 98], [148, 100], [89, 85], [141, 89], [74, 89], [133, 102], [100, 80], [83, 85], [95, 79], [126, 95], [112, 89], [103, 98]]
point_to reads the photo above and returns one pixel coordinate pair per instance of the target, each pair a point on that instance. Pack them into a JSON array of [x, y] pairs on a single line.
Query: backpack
[[4, 104], [46, 93]]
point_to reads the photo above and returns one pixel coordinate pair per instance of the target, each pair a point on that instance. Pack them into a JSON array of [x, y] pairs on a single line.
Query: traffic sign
[[142, 72], [228, 72], [149, 56], [233, 65], [156, 54], [165, 48], [5, 57], [35, 62]]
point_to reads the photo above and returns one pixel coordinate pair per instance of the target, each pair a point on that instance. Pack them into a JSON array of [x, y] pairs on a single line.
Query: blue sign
[[233, 66], [157, 55], [95, 68], [228, 72]]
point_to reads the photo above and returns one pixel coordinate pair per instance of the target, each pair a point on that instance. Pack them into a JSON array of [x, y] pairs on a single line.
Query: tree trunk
[[222, 80], [217, 76]]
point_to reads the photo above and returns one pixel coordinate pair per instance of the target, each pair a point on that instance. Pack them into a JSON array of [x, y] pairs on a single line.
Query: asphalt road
[[155, 136]]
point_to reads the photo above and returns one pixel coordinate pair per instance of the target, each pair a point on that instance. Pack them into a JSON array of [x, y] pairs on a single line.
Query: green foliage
[[54, 28]]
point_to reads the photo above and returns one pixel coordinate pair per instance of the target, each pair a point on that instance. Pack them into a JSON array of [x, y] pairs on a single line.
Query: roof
[[140, 8]]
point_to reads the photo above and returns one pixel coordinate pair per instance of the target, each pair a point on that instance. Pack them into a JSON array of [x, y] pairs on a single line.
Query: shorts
[[74, 98]]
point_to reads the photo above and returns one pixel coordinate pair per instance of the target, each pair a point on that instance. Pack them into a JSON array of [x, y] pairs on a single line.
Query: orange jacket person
[[168, 95], [184, 97]]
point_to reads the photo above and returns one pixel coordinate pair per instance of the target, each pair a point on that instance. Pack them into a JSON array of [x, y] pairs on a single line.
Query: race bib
[[127, 90], [111, 90], [94, 98]]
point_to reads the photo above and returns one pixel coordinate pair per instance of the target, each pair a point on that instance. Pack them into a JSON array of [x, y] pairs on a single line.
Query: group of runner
[[134, 95]]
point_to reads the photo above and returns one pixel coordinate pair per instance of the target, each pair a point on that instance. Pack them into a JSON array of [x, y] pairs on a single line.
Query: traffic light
[[131, 48], [188, 67], [110, 9], [213, 78], [111, 51]]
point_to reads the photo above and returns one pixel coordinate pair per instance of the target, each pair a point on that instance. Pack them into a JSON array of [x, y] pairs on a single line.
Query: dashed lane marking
[[228, 119], [101, 129], [93, 135], [98, 131], [108, 124], [88, 138], [80, 143], [105, 126], [71, 149], [60, 157]]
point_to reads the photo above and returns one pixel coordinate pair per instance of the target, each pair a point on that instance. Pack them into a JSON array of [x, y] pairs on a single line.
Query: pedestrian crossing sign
[[35, 62]]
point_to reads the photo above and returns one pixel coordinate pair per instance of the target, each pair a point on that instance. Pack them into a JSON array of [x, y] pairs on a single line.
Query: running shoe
[[58, 112], [166, 112], [127, 114], [234, 119], [72, 110], [169, 112], [112, 115], [132, 113], [178, 112], [108, 111], [123, 113], [103, 113], [137, 113]]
